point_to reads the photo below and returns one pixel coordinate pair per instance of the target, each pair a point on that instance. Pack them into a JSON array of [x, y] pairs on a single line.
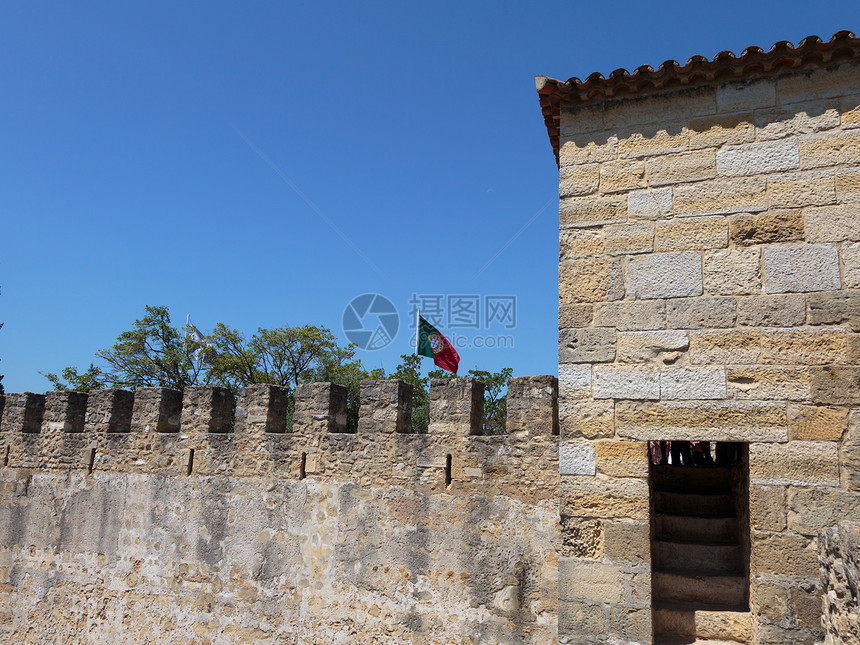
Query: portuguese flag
[[434, 345]]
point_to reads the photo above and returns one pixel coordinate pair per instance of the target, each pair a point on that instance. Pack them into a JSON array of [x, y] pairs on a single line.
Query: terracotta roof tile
[[753, 62]]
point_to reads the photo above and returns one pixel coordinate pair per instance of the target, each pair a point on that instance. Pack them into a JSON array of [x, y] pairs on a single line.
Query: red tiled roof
[[754, 61]]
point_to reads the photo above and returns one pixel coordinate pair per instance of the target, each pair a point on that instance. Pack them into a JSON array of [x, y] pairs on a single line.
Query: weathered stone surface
[[851, 265], [797, 119], [628, 540], [801, 189], [605, 497], [693, 383], [797, 463], [665, 275], [772, 311], [622, 458], [592, 211], [588, 149], [65, 411], [577, 618], [629, 238], [834, 308], [838, 547], [22, 412], [532, 405], [586, 345], [386, 406], [625, 382], [791, 269], [732, 271], [577, 120], [631, 315], [702, 420], [574, 381], [158, 409], [581, 539], [630, 625], [812, 510], [826, 150], [319, 408], [770, 601], [652, 141], [758, 158], [694, 233], [729, 347], [803, 346], [848, 185], [816, 423], [701, 313], [768, 507], [720, 196], [575, 315], [576, 457], [747, 229], [719, 130], [578, 180], [836, 385], [110, 410], [734, 96], [587, 419], [783, 555], [456, 406], [622, 175], [665, 347], [833, 223], [849, 454], [768, 383], [590, 280], [575, 243], [649, 204], [681, 167]]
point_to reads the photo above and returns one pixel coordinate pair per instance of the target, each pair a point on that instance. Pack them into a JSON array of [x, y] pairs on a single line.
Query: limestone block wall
[[158, 516], [709, 287], [840, 576]]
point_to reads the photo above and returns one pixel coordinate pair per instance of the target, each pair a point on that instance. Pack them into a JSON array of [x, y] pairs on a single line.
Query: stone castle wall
[[840, 577], [156, 516], [709, 287]]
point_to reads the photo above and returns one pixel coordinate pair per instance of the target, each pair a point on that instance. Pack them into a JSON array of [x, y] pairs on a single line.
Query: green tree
[[409, 370], [92, 379], [495, 398]]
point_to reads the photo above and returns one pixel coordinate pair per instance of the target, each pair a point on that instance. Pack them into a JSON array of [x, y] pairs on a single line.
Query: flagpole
[[187, 322], [417, 328]]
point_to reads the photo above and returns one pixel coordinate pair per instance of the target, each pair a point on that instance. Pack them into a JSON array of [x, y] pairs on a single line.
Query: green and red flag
[[433, 344]]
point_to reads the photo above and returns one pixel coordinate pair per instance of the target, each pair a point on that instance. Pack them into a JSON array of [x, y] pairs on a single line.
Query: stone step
[[715, 479], [705, 559], [682, 620], [694, 505], [682, 528], [717, 591]]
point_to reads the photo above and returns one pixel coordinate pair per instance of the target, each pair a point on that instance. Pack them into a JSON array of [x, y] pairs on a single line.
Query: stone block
[[797, 463], [803, 346], [768, 383], [682, 167], [578, 619], [649, 141], [734, 96], [664, 347], [576, 457], [628, 540], [720, 130], [826, 150], [631, 315], [849, 454], [456, 406], [849, 106], [649, 204], [578, 180], [587, 419], [657, 110], [581, 538], [818, 83], [802, 189], [579, 119], [205, 408], [157, 409], [758, 158], [768, 507], [622, 459], [694, 233], [833, 223], [834, 308], [806, 604], [592, 211], [110, 411], [575, 315], [701, 313], [592, 148], [796, 119], [836, 385], [261, 408], [320, 408], [64, 411], [665, 275], [701, 421], [693, 383], [851, 265], [574, 381], [770, 601], [720, 196], [386, 406], [622, 175], [590, 280], [586, 345], [783, 554], [532, 405], [801, 268], [848, 185], [625, 382], [728, 347], [629, 238], [816, 423], [605, 497], [732, 271], [813, 510], [575, 243], [787, 310], [22, 412], [771, 227]]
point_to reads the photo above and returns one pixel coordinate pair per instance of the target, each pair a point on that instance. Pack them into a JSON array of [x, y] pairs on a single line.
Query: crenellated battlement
[[206, 431]]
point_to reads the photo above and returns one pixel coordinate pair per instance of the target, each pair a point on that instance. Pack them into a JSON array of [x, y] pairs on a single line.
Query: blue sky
[[193, 154]]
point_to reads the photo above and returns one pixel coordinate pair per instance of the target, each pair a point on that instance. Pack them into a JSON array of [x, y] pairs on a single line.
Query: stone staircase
[[699, 579]]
